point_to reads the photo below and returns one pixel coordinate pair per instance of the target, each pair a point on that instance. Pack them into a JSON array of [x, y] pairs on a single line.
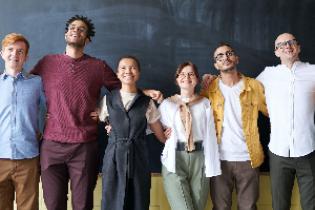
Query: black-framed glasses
[[281, 45], [183, 75], [220, 56]]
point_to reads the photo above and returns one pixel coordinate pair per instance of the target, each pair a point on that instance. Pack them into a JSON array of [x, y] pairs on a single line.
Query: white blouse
[[203, 130]]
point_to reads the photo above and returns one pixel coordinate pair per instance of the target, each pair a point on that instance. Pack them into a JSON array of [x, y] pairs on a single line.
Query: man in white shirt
[[290, 96]]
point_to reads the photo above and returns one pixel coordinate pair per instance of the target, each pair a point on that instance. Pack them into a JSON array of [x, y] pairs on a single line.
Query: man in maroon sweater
[[72, 84]]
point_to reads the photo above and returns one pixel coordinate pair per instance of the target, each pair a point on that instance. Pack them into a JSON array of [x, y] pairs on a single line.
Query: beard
[[76, 43], [228, 70]]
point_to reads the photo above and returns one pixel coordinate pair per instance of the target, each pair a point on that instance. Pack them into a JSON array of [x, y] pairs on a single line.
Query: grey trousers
[[283, 171], [246, 181], [188, 188]]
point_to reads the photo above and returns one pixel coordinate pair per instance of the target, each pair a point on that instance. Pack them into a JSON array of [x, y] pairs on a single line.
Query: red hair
[[14, 37]]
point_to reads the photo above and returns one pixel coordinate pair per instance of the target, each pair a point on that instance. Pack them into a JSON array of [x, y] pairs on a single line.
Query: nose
[[225, 57], [128, 70], [287, 45], [15, 53]]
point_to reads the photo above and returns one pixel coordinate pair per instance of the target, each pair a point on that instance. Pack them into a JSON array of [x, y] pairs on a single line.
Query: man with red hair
[[21, 98]]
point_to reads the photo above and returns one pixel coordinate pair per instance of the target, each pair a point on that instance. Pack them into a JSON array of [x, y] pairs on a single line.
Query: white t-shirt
[[233, 145], [152, 113]]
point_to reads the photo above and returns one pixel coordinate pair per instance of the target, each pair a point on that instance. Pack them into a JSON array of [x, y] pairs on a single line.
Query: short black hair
[[86, 20], [130, 57]]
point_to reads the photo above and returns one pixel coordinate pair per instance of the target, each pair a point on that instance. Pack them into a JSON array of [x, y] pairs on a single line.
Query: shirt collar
[[295, 64], [19, 76]]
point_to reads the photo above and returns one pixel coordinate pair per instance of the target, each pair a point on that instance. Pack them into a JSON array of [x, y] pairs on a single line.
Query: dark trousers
[[283, 171], [246, 181], [61, 162]]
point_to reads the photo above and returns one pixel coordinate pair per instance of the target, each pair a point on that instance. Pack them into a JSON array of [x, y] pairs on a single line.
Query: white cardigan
[[168, 109]]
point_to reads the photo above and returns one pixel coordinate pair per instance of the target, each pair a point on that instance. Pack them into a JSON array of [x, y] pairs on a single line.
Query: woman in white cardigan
[[190, 156]]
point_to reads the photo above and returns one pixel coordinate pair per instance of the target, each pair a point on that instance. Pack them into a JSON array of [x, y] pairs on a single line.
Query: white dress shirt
[[290, 96]]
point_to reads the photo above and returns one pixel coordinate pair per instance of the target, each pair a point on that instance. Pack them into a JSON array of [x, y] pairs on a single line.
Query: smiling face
[[287, 48], [14, 55], [128, 71], [76, 35], [225, 58], [187, 78]]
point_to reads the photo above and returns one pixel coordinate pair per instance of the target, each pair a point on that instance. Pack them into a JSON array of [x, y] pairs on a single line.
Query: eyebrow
[[79, 26]]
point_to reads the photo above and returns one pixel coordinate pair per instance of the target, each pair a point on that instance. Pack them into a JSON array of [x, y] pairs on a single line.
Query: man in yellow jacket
[[236, 101]]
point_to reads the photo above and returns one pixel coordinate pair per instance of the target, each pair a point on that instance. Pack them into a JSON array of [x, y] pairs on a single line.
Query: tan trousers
[[22, 177]]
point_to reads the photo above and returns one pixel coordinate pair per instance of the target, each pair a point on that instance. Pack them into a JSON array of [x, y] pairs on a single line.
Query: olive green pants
[[188, 188]]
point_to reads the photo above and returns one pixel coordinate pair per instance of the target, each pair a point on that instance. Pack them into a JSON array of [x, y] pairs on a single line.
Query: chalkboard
[[164, 33]]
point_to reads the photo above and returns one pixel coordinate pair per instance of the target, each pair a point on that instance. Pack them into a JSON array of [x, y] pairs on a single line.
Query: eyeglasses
[[220, 56], [281, 45], [183, 75]]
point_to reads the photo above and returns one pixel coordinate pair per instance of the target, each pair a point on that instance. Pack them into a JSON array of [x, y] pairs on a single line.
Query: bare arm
[[156, 95]]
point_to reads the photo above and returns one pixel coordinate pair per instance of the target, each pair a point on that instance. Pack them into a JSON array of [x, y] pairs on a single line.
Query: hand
[[156, 95], [47, 116], [39, 135], [94, 115], [108, 129], [168, 133], [206, 80]]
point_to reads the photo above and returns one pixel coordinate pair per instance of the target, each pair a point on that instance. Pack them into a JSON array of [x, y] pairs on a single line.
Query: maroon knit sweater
[[72, 88]]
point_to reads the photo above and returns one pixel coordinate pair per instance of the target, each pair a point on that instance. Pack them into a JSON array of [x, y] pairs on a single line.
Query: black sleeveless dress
[[126, 175]]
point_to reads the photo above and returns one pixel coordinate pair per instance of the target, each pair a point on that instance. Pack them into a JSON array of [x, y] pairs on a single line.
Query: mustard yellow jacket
[[252, 100]]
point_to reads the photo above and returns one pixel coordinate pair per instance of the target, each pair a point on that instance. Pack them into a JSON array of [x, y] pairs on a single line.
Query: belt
[[181, 146]]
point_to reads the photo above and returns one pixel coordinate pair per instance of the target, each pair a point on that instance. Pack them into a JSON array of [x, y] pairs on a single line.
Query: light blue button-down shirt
[[21, 103]]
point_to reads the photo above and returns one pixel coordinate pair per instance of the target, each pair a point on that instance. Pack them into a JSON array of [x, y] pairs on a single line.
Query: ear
[[26, 58], [237, 60], [277, 53], [298, 49], [216, 65], [86, 41]]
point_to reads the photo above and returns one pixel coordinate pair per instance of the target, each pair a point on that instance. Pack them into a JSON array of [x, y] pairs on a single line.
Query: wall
[[164, 33]]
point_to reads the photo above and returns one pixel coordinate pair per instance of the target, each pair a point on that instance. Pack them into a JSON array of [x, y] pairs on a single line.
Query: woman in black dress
[[126, 175]]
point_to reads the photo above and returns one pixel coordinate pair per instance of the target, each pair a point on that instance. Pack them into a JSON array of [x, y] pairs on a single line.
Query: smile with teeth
[[128, 76], [74, 35], [226, 63]]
